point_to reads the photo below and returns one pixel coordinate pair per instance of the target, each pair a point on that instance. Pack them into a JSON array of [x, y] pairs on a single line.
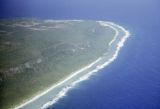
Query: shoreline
[[56, 85], [86, 76]]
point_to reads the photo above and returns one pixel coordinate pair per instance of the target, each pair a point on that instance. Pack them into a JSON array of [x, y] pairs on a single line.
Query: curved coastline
[[65, 85]]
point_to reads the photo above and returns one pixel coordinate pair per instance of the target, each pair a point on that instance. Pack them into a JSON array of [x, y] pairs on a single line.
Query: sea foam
[[65, 89], [63, 92]]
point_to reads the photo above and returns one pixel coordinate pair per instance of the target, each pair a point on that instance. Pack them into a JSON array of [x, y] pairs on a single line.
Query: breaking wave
[[97, 65], [63, 92]]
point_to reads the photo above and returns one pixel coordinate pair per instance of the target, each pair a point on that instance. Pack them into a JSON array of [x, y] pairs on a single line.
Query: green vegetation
[[35, 54]]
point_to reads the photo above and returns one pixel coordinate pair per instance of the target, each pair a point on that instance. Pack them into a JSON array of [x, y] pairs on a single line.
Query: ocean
[[132, 81]]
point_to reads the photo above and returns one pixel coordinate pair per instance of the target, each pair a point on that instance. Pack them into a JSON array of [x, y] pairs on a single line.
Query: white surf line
[[116, 34], [58, 84], [85, 77], [65, 90], [120, 44]]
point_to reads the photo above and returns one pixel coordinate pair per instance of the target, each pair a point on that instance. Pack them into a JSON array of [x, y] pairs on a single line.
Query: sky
[[76, 8], [136, 13], [128, 11]]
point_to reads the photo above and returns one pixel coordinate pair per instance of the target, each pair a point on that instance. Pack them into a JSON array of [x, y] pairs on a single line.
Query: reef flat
[[37, 54]]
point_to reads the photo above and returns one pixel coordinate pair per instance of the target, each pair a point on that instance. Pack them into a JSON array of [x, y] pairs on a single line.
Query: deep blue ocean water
[[132, 81]]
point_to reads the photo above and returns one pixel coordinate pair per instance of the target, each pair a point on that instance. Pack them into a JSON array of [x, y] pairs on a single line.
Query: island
[[38, 55]]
